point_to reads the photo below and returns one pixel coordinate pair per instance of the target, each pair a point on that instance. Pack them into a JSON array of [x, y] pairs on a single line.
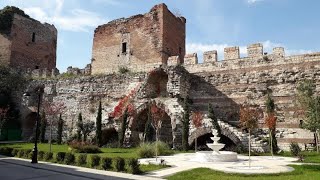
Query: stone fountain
[[215, 155]]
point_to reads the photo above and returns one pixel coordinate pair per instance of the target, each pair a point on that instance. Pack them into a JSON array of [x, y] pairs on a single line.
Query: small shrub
[[119, 164], [94, 161], [145, 150], [69, 158], [123, 70], [20, 153], [106, 163], [6, 151], [295, 149], [15, 152], [82, 160], [134, 166], [60, 156], [84, 147], [27, 153], [161, 148], [40, 155], [48, 156]]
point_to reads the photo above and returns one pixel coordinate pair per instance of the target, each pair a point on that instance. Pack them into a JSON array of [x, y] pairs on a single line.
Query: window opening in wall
[[33, 37], [124, 47], [37, 67]]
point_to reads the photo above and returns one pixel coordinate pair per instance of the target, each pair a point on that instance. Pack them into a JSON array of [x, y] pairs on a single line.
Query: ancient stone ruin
[[152, 48]]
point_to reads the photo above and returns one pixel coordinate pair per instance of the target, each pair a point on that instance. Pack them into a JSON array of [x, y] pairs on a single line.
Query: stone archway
[[156, 84], [207, 130], [170, 130], [29, 124]]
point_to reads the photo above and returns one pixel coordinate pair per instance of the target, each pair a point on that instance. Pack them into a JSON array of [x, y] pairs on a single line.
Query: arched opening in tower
[[142, 129], [29, 124], [157, 84]]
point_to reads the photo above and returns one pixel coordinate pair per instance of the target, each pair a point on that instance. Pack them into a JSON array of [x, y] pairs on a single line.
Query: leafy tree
[[214, 120], [88, 127], [197, 119], [157, 116], [186, 123], [79, 127], [310, 105], [249, 120], [148, 130], [43, 127], [271, 121], [98, 124], [60, 129]]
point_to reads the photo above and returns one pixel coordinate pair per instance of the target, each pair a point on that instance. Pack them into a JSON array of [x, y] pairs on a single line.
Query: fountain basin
[[215, 147], [209, 156]]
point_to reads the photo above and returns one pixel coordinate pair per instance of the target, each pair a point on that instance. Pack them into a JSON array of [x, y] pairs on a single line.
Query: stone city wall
[[227, 84]]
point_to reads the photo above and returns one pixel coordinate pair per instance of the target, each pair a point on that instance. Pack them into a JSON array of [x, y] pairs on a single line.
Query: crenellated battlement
[[256, 57]]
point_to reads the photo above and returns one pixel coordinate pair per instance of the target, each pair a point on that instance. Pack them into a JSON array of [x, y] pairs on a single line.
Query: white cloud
[[109, 2], [267, 47], [77, 20], [253, 1]]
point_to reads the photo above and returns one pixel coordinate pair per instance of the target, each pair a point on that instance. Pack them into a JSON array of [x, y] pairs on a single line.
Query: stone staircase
[[257, 144]]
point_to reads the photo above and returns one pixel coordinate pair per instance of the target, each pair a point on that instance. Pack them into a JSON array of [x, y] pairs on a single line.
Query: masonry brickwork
[[30, 45], [153, 45], [139, 42]]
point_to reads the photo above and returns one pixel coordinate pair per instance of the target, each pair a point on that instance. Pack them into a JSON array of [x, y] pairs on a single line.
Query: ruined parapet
[[55, 72], [278, 52], [191, 59], [87, 69], [210, 56], [255, 50], [231, 53], [174, 61]]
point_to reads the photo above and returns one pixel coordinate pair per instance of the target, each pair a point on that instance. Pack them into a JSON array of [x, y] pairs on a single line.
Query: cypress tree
[[98, 124], [80, 127], [186, 124], [43, 127], [60, 129], [214, 119], [122, 131]]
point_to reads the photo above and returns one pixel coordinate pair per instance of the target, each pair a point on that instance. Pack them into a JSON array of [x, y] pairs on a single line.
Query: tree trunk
[[271, 143], [50, 143], [249, 149], [195, 145], [156, 145], [317, 141]]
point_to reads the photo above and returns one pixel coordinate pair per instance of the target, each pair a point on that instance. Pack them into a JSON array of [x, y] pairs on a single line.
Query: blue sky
[[211, 24]]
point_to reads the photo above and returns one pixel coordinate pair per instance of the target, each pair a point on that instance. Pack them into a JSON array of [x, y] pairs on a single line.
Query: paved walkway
[[259, 165], [20, 169]]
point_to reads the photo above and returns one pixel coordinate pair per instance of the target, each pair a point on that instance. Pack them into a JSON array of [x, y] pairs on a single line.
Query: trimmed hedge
[[60, 156], [48, 156], [106, 163], [119, 164], [69, 158], [134, 166], [82, 160], [94, 161], [41, 155], [6, 151]]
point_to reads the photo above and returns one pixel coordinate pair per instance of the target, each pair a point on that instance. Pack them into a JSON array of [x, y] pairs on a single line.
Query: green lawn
[[303, 172]]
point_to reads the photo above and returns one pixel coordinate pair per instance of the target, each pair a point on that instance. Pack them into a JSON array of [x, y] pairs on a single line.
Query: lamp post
[[39, 91]]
